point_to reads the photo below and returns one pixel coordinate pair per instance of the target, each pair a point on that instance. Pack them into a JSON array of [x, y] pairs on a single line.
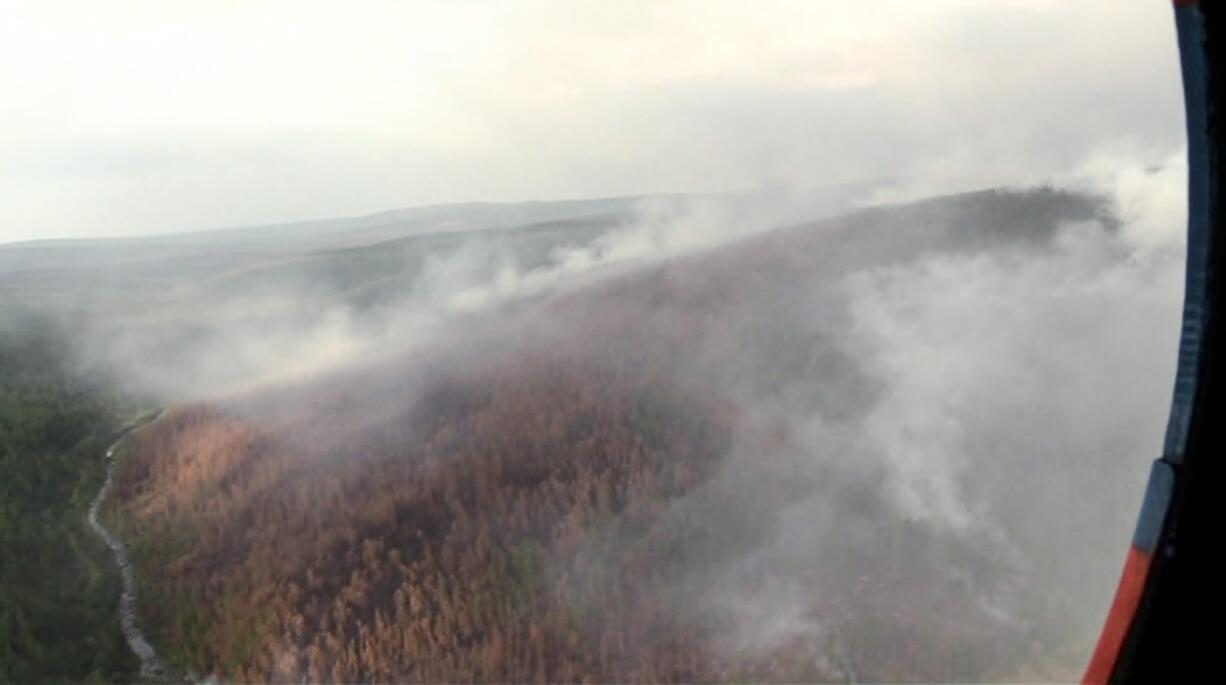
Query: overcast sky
[[124, 118]]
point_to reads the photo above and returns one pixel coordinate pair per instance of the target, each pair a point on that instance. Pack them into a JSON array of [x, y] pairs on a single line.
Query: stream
[[150, 665]]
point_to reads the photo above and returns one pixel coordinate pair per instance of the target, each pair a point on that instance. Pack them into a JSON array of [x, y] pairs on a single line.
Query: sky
[[134, 118]]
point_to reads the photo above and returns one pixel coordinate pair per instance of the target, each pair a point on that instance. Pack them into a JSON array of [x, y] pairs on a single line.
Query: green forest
[[58, 585]]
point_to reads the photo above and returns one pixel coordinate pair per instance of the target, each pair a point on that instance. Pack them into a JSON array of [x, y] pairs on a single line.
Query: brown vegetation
[[453, 544], [556, 502]]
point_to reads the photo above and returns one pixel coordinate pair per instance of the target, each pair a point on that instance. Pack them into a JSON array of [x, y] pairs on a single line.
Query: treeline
[[58, 586]]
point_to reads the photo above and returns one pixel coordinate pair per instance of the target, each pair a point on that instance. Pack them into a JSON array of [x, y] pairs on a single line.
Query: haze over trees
[[658, 474]]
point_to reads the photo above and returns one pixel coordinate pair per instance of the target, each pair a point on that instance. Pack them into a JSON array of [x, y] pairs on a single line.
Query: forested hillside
[[661, 476], [58, 587]]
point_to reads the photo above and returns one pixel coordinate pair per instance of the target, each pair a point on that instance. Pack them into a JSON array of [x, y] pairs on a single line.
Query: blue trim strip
[[1202, 207], [1153, 509], [1202, 204]]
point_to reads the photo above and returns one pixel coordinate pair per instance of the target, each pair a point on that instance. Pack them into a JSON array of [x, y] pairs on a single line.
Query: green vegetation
[[58, 585]]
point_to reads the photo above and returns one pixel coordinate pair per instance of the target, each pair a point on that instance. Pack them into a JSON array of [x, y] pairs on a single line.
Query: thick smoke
[[1026, 367], [1017, 396]]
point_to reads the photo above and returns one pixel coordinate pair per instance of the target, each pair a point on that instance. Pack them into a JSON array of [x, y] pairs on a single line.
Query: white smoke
[[1073, 347]]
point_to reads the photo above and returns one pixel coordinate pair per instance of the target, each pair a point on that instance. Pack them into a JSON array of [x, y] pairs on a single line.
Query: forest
[[58, 585], [607, 484]]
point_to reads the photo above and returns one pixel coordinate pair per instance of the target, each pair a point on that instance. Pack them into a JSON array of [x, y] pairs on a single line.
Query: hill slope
[[662, 475]]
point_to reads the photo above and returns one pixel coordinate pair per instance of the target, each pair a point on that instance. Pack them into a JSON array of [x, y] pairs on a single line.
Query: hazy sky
[[123, 118]]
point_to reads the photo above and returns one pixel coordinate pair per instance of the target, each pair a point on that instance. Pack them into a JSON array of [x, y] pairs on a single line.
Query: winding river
[[150, 665]]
